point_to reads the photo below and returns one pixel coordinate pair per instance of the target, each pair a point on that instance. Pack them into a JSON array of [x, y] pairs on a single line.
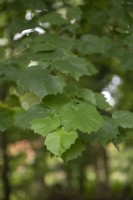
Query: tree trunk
[[3, 147], [5, 167]]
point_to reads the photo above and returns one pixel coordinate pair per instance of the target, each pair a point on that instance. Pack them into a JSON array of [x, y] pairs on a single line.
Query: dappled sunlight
[[29, 15], [18, 36], [118, 176], [108, 97], [24, 147], [52, 178], [111, 90]]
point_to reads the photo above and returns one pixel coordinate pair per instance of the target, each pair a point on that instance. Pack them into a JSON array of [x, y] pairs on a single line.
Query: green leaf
[[76, 67], [46, 125], [127, 61], [56, 102], [43, 47], [93, 44], [53, 18], [23, 118], [87, 95], [101, 101], [6, 119], [82, 116], [124, 118], [106, 133], [9, 71], [120, 138], [74, 13], [74, 152], [55, 41], [91, 68], [59, 141], [38, 81]]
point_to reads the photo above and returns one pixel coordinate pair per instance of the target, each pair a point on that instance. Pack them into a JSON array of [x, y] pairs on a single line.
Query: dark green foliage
[[57, 66]]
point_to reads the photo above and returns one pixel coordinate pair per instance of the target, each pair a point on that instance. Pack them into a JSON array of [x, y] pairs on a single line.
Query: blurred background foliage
[[100, 173]]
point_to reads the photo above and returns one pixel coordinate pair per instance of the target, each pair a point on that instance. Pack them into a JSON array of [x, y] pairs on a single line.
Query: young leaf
[[74, 152], [60, 140], [46, 125]]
